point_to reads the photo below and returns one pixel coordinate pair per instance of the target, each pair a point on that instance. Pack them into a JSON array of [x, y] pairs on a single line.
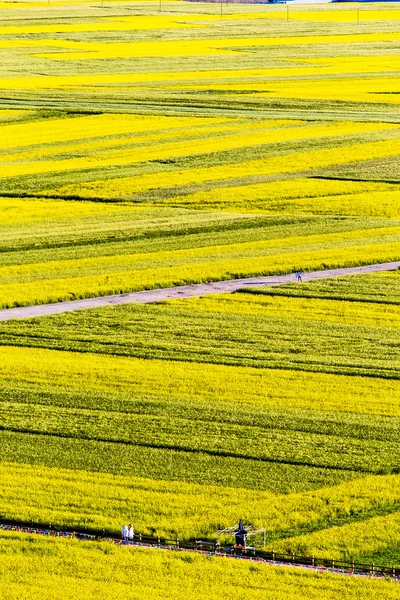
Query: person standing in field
[[124, 533], [131, 532]]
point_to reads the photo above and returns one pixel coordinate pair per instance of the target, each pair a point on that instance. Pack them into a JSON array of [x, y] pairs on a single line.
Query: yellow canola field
[[217, 384], [101, 50], [18, 210], [312, 66], [270, 253], [61, 281], [366, 538], [189, 510], [32, 4], [301, 309], [266, 132], [205, 134], [339, 65], [99, 570], [296, 196], [287, 163], [11, 165], [182, 20], [53, 281], [368, 204], [115, 23], [56, 130], [130, 140], [6, 114]]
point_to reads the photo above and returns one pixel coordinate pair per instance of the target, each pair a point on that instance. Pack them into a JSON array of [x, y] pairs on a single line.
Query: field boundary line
[[186, 291]]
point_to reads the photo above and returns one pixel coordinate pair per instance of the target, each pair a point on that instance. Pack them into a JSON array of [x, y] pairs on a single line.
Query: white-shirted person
[[131, 532], [124, 533]]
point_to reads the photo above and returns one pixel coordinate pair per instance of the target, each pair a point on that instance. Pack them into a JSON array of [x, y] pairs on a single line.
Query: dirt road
[[184, 291]]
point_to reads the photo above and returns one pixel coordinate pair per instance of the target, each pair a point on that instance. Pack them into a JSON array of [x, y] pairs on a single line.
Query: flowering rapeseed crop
[[169, 508], [100, 569], [180, 147]]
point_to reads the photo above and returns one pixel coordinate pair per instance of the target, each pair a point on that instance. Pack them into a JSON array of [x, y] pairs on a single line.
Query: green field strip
[[351, 540], [127, 225], [202, 104], [177, 447], [165, 464], [287, 436], [370, 170], [389, 555], [146, 233], [287, 537], [213, 439], [149, 404]]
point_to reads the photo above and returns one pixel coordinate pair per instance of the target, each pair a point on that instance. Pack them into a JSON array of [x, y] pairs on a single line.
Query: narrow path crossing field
[[185, 291]]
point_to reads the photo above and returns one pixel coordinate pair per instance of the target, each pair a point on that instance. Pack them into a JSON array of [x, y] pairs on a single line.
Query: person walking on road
[[298, 275]]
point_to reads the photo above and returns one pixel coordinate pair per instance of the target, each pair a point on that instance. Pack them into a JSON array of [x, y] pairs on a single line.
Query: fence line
[[204, 547]]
